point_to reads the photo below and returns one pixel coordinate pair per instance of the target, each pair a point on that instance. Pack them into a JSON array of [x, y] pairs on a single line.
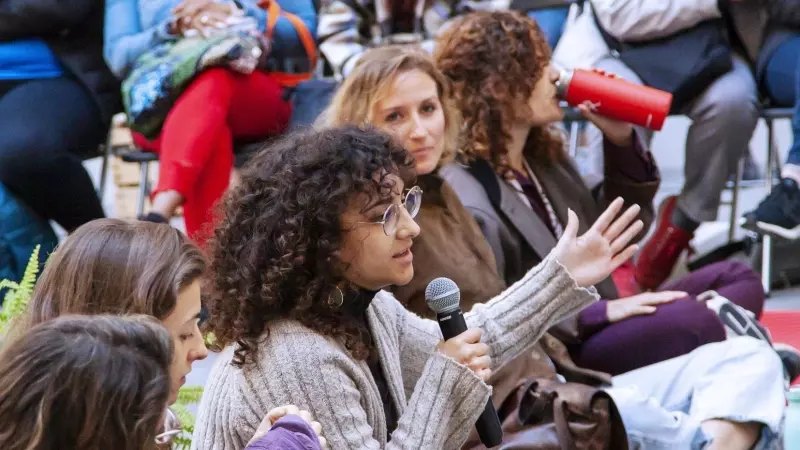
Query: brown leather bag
[[543, 414]]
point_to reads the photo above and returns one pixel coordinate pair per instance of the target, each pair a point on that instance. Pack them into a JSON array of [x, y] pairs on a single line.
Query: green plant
[[15, 302], [188, 395]]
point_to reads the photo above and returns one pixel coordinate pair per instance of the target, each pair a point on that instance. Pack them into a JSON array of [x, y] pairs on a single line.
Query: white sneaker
[[737, 320]]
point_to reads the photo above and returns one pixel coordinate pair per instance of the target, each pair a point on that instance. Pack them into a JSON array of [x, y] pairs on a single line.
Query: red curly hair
[[494, 60]]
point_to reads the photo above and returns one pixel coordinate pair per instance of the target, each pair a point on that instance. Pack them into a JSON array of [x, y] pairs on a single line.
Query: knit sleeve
[[314, 375], [512, 322], [218, 425]]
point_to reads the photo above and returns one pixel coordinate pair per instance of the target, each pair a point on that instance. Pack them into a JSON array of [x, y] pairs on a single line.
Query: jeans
[[196, 141], [782, 82], [663, 405], [551, 21], [47, 128], [723, 119]]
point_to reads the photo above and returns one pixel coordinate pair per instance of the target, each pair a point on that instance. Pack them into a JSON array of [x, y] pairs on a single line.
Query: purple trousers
[[675, 328]]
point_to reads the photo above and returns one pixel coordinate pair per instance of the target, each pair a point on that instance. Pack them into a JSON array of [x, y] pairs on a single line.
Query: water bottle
[[615, 98], [791, 435]]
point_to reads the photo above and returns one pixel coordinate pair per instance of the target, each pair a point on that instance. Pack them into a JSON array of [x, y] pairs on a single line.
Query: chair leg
[[101, 188], [574, 131], [144, 188], [766, 246], [733, 221]]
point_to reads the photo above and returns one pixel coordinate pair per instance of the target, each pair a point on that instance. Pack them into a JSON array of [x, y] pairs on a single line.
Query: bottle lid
[[562, 84]]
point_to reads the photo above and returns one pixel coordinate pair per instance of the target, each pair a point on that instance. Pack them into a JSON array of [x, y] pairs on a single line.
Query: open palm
[[592, 257]]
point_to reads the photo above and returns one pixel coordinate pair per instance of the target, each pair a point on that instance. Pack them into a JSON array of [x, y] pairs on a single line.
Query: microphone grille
[[442, 295]]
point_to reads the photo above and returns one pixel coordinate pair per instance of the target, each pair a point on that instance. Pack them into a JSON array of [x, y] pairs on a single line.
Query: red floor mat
[[784, 327]]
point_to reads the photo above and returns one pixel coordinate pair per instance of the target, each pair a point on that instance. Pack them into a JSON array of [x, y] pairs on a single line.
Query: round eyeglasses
[[391, 218]]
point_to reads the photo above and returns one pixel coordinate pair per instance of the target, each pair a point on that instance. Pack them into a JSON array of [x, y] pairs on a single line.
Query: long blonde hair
[[373, 75]]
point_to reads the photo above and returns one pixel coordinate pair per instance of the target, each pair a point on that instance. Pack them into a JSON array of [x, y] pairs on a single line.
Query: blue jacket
[[134, 26], [21, 231]]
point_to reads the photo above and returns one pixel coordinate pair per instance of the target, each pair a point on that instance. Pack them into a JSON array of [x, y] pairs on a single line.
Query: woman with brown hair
[[321, 222], [519, 184], [81, 382], [112, 266]]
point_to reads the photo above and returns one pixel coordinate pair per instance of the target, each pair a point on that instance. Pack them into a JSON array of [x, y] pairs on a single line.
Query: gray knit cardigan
[[438, 399]]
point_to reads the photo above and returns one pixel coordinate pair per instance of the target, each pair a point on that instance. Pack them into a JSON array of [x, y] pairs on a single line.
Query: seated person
[[320, 223], [723, 116], [324, 220], [111, 266], [56, 101], [114, 383], [85, 382], [347, 28], [21, 231], [777, 71], [520, 185], [195, 143]]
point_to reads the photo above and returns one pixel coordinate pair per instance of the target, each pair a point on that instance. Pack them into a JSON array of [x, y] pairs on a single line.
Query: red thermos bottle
[[615, 97]]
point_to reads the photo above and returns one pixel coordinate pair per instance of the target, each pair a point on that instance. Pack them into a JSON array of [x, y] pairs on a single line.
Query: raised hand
[[592, 257]]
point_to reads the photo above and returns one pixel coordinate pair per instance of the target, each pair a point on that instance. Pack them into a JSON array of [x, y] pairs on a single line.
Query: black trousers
[[47, 128]]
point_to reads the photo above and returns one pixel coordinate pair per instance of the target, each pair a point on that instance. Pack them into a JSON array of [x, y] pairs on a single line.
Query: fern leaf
[[189, 395], [31, 270], [19, 294]]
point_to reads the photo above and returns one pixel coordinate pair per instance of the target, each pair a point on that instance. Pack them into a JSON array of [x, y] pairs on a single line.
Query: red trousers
[[195, 146]]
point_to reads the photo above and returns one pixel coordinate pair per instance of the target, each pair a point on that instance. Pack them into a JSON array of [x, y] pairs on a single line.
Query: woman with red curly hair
[[321, 223], [519, 184]]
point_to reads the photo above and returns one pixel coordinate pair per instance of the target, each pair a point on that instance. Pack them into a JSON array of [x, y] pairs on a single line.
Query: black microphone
[[443, 297]]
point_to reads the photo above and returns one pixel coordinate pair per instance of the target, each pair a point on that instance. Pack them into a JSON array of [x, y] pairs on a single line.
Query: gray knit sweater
[[438, 399]]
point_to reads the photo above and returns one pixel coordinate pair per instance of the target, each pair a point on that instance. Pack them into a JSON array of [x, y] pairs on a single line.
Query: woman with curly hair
[[321, 222], [519, 184]]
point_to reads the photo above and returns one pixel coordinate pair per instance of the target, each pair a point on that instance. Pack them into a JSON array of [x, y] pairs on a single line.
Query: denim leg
[[782, 82], [663, 405], [551, 21]]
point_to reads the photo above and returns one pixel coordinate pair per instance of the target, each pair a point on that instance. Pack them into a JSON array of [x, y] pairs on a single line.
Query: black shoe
[[779, 213], [790, 358], [153, 217]]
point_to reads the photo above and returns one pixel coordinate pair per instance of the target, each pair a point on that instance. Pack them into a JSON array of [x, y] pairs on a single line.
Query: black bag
[[684, 64]]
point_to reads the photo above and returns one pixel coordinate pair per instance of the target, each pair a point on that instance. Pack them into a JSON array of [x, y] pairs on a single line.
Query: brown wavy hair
[[81, 382], [114, 266], [274, 253], [493, 60], [373, 75]]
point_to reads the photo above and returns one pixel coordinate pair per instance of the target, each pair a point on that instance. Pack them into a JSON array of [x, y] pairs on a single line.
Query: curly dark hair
[[274, 252], [494, 60]]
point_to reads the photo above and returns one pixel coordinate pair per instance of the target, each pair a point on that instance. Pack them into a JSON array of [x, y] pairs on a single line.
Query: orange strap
[[274, 12]]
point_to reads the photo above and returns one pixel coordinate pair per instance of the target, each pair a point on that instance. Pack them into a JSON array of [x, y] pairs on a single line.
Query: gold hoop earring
[[336, 297]]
